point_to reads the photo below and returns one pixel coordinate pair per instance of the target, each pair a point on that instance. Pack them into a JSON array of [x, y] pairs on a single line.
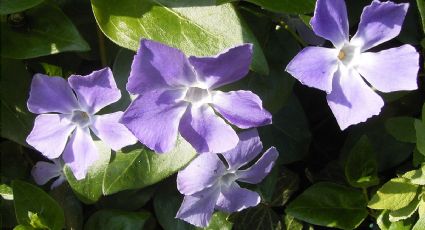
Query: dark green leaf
[[13, 6], [16, 120], [89, 189], [393, 195], [48, 31], [361, 168], [282, 6], [14, 164], [260, 217], [141, 167], [33, 205], [278, 186], [128, 200], [330, 205], [176, 24], [402, 128], [421, 7], [71, 206], [115, 219], [420, 136]]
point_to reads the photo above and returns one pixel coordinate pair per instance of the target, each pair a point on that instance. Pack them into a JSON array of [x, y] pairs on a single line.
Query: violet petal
[[256, 173]]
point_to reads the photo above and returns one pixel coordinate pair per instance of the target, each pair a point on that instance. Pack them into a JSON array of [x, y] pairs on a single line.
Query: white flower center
[[228, 179], [349, 54], [81, 118], [196, 95]]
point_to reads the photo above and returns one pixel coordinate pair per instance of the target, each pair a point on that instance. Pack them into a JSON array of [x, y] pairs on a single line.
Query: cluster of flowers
[[177, 94]]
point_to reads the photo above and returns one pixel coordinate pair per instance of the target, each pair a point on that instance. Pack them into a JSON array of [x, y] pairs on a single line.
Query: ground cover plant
[[212, 114]]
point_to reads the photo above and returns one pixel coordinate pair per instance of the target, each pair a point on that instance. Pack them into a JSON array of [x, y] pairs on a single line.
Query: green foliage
[[331, 205], [283, 6], [393, 195], [260, 218], [35, 208], [6, 192], [13, 6], [113, 219], [402, 128], [46, 29]]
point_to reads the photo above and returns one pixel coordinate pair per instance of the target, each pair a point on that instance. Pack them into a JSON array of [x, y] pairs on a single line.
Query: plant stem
[[295, 35], [102, 50]]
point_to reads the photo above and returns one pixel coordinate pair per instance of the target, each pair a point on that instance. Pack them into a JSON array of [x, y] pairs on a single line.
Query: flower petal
[[235, 198], [330, 21], [51, 94], [207, 132], [241, 108], [351, 100], [200, 174], [50, 130], [248, 147], [80, 153], [43, 171], [113, 133], [58, 182], [198, 208], [256, 173], [95, 90], [157, 66], [154, 119], [315, 67], [224, 68], [380, 22], [391, 70]]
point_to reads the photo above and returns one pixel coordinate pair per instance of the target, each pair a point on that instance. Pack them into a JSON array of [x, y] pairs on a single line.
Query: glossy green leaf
[[361, 167], [260, 217], [140, 167], [420, 136], [16, 120], [402, 128], [189, 25], [416, 176], [33, 207], [115, 219], [128, 200], [89, 189], [6, 192], [393, 195], [48, 31], [406, 212], [331, 205], [14, 6]]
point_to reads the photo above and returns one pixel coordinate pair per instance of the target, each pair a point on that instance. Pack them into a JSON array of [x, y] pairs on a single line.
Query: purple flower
[[339, 71], [177, 94], [67, 108], [209, 183], [43, 171]]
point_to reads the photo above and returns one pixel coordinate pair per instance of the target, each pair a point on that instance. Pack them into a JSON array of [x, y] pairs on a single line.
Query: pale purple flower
[[67, 108], [177, 95], [208, 183], [340, 71], [43, 171]]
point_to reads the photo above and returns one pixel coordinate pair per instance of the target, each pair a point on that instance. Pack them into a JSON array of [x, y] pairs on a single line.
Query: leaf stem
[[102, 50]]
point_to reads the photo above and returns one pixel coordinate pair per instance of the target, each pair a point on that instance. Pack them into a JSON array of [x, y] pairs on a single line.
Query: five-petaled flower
[[67, 108], [339, 71], [208, 183], [176, 94], [44, 171]]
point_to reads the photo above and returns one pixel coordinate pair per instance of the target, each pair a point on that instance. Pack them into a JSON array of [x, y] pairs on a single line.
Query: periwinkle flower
[[44, 171], [208, 183], [340, 71], [178, 94], [67, 108]]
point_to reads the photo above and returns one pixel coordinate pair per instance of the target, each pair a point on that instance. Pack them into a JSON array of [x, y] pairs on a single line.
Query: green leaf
[[140, 167], [13, 6], [278, 186], [395, 194], [420, 225], [260, 217], [6, 192], [406, 212], [16, 120], [331, 205], [416, 176], [115, 219], [89, 189], [420, 136], [361, 167], [421, 208], [175, 23], [385, 224], [71, 206], [219, 222], [23, 227], [282, 6], [166, 203], [49, 31], [34, 206], [402, 128], [128, 200], [36, 222], [290, 223], [421, 7]]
